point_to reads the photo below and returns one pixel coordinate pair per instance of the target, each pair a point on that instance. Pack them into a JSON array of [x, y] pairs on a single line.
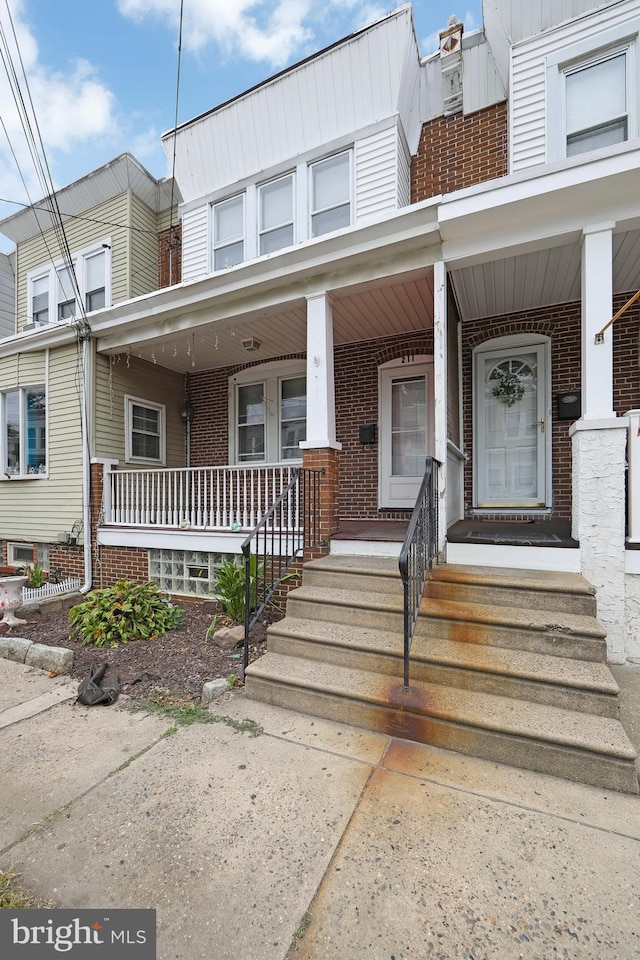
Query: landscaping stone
[[14, 648], [56, 659], [227, 638], [213, 689]]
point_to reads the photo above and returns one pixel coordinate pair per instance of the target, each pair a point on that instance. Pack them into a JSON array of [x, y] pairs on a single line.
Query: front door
[[512, 426], [406, 430]]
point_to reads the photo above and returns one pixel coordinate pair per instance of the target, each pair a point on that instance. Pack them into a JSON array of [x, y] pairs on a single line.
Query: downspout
[[86, 463]]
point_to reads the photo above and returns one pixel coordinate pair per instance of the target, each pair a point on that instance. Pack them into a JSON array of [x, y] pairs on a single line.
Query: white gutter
[[86, 465]]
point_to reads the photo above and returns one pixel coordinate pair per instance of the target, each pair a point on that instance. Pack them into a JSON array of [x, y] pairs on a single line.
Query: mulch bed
[[179, 662]]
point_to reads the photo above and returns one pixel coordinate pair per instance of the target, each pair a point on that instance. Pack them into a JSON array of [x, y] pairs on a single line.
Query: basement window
[[19, 554]]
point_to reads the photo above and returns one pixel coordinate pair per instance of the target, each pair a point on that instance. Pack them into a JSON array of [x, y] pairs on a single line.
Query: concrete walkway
[[311, 840]]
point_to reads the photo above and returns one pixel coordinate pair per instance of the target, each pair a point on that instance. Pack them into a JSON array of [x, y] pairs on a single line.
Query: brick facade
[[114, 563], [170, 256], [459, 151]]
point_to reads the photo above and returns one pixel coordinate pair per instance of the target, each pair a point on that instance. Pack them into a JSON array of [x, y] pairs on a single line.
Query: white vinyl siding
[[195, 250], [376, 159], [117, 378], [537, 65], [38, 509]]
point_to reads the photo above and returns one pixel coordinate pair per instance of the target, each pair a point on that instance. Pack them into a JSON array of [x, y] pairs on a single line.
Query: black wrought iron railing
[[289, 526], [419, 550]]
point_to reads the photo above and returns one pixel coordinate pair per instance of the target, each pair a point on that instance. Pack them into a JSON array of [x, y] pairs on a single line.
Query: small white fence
[[206, 498], [51, 589]]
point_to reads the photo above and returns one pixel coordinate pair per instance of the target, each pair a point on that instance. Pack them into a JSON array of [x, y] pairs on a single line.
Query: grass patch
[[13, 896], [183, 713], [305, 923]]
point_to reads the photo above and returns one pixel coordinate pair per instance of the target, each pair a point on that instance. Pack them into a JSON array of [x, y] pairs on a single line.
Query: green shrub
[[126, 611], [36, 575]]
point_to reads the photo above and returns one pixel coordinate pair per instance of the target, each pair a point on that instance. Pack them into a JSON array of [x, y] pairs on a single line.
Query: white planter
[[11, 598]]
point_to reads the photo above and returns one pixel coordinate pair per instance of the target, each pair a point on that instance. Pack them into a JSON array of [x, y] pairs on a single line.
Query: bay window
[[24, 432]]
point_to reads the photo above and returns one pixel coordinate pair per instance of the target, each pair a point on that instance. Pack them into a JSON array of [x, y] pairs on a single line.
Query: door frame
[[515, 343], [412, 365]]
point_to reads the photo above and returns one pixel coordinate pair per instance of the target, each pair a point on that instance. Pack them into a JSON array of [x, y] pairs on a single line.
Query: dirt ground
[[180, 662]]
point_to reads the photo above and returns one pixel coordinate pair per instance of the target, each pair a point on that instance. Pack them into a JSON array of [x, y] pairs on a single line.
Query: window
[[145, 430], [228, 232], [95, 281], [20, 554], [330, 194], [53, 291], [293, 416], [596, 104], [24, 432], [268, 416], [276, 214]]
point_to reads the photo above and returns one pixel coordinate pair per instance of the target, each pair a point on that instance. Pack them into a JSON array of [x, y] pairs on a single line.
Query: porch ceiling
[[539, 278], [364, 312]]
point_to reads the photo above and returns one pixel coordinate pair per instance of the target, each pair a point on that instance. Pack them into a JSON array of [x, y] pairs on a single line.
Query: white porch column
[[597, 308], [599, 441], [440, 392], [321, 407]]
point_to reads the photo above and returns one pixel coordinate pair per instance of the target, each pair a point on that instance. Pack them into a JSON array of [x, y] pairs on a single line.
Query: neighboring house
[[382, 257]]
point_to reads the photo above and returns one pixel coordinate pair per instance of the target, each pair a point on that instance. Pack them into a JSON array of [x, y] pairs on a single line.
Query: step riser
[[341, 580], [583, 767], [338, 613], [512, 597], [599, 704], [496, 635]]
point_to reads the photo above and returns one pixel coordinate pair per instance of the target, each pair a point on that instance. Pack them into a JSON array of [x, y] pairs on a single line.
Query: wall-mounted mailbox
[[367, 433], [569, 405]]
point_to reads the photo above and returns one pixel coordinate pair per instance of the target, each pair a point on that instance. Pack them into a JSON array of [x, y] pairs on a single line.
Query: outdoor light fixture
[[250, 344], [186, 413]]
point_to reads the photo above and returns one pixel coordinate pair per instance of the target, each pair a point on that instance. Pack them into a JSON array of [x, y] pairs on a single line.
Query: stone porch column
[[321, 449], [599, 447]]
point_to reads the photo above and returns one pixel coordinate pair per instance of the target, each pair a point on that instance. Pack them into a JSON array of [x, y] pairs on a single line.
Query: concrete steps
[[490, 676]]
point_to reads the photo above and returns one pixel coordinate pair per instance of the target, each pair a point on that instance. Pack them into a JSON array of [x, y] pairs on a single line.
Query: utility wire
[[70, 216]]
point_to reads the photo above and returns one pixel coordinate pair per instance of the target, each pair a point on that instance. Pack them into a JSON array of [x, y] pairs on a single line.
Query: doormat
[[514, 536]]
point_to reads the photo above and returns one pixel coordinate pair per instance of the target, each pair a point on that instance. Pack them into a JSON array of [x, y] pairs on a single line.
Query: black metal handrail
[[419, 550], [290, 525]]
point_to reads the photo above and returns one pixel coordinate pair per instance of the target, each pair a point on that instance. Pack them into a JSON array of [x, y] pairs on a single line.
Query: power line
[[73, 216]]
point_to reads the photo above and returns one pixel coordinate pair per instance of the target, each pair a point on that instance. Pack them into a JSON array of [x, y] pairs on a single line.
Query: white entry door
[[406, 431], [512, 427]]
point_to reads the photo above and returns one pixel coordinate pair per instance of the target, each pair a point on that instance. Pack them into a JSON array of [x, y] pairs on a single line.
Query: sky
[[102, 73]]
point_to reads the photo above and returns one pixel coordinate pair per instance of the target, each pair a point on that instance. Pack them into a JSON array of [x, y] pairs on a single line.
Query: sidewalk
[[312, 840]]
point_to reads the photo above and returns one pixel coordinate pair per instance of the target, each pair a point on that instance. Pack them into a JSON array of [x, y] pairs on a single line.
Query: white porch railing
[[203, 498]]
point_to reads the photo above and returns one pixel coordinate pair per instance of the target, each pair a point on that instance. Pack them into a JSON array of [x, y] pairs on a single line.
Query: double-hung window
[[268, 413], [330, 189], [228, 232], [24, 432], [55, 291], [276, 214], [145, 430], [597, 103]]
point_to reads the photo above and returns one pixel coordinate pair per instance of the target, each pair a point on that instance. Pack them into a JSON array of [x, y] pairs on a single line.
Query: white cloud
[[270, 32], [71, 107]]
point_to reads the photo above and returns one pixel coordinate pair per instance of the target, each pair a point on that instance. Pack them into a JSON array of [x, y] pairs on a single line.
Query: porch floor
[[525, 533]]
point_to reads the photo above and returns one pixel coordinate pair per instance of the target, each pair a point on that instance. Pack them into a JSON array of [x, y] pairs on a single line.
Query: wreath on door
[[509, 389]]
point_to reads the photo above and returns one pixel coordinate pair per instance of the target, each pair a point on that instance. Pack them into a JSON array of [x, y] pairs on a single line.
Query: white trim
[[50, 270], [271, 373], [11, 549], [22, 389], [129, 401], [202, 540], [562, 559]]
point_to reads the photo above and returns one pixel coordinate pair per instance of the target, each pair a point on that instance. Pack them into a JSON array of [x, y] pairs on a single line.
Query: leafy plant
[[36, 575], [126, 611], [228, 585]]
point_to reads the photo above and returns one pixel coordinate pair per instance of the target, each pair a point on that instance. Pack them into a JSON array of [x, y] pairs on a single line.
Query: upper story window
[[53, 291], [276, 214], [596, 104], [23, 413], [228, 232], [330, 194]]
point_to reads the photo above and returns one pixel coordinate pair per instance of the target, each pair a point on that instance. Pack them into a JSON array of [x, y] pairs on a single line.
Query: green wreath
[[509, 389]]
